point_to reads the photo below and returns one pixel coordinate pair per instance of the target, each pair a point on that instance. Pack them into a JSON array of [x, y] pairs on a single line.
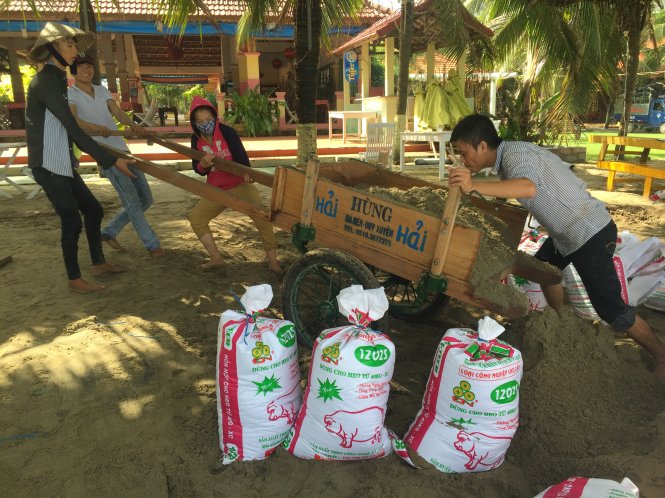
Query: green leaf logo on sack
[[267, 385], [520, 281], [330, 354], [463, 395], [231, 453], [505, 393], [261, 353], [229, 331], [328, 390], [288, 439], [439, 356], [286, 335], [372, 356]]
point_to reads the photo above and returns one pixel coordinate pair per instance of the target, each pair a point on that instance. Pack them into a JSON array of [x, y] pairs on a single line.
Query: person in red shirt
[[218, 140]]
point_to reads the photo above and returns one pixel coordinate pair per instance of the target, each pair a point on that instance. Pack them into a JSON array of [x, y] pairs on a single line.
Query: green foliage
[[197, 91], [168, 95], [254, 111], [6, 91]]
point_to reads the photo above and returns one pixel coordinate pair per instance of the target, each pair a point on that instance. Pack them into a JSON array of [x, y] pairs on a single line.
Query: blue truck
[[645, 114]]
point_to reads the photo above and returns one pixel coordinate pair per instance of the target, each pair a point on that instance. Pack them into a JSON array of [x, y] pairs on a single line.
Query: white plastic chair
[[380, 140], [148, 117]]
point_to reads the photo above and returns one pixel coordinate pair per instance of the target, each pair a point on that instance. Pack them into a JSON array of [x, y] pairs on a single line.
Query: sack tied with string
[[342, 417], [258, 380], [470, 409]]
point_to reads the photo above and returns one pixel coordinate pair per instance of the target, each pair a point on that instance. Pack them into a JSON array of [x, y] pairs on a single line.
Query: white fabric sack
[[470, 409], [530, 242], [343, 411], [645, 281], [582, 487], [656, 300], [258, 380], [635, 256]]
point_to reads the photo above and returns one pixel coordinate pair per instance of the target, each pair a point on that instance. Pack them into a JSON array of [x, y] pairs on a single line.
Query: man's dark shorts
[[594, 263]]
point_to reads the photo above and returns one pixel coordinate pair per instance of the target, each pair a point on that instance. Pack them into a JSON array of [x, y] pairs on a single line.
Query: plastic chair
[[380, 140], [147, 118]]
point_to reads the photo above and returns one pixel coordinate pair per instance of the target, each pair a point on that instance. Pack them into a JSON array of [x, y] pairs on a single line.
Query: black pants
[[69, 196]]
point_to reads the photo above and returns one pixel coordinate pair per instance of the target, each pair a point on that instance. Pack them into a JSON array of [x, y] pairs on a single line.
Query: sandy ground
[[114, 394]]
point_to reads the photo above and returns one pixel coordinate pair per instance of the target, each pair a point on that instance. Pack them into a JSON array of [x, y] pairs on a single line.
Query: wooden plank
[[309, 192], [603, 150], [647, 186], [229, 166], [633, 168], [447, 222], [352, 173], [195, 186], [277, 191], [384, 227]]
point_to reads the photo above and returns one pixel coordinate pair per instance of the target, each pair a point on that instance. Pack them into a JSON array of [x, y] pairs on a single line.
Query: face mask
[[206, 128]]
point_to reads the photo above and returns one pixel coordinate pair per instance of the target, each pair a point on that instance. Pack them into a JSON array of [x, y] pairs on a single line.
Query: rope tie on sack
[[488, 350]]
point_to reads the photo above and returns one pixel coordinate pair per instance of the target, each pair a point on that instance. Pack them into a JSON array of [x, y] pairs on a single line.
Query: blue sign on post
[[351, 66]]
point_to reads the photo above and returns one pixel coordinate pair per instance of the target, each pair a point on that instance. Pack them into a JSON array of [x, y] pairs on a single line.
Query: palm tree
[[580, 43], [313, 20]]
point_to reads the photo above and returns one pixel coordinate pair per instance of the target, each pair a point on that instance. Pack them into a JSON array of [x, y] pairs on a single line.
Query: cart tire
[[661, 128], [631, 127], [402, 295], [311, 286]]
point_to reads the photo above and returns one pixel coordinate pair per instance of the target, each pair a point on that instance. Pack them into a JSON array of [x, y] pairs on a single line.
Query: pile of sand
[[494, 253], [580, 401]]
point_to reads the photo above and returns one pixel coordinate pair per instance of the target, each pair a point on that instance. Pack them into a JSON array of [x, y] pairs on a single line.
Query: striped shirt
[[562, 204], [50, 126]]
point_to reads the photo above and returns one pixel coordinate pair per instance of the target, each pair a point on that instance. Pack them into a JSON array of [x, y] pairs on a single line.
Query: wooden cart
[[349, 236]]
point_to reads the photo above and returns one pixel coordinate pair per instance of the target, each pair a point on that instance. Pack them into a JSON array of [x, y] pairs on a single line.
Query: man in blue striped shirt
[[50, 131], [581, 231]]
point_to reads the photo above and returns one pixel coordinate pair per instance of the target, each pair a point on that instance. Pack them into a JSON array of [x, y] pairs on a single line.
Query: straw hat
[[54, 31]]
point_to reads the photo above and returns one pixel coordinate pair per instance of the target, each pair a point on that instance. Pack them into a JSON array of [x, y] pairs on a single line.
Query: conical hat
[[54, 31]]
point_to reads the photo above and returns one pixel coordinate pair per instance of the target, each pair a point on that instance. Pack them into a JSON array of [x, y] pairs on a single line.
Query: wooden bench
[[619, 163]]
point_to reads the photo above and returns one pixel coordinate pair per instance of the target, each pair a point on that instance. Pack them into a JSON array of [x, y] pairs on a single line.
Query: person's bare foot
[[84, 287], [114, 244], [156, 253], [213, 264], [106, 267]]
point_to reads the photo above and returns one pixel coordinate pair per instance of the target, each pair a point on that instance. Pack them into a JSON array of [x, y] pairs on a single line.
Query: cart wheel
[[310, 288], [402, 297], [661, 128]]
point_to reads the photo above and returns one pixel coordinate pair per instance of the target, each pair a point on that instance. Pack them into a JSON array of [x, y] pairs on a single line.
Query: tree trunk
[[88, 23], [406, 30], [307, 41], [636, 18]]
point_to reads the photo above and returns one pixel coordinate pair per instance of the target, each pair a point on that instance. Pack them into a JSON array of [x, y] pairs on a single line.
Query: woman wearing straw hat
[[50, 131]]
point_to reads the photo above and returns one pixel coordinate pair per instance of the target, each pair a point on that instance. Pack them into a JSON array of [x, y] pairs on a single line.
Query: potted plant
[[251, 113]]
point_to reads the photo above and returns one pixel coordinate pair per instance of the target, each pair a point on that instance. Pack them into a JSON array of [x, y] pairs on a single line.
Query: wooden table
[[4, 172], [344, 115], [629, 146], [426, 136]]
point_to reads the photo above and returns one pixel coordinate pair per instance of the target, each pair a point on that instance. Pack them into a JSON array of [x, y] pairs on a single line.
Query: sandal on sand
[[114, 244]]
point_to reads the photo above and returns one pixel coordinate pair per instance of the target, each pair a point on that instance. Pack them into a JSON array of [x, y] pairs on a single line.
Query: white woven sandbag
[[656, 300], [470, 410], [258, 381], [582, 487], [344, 406], [530, 242]]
